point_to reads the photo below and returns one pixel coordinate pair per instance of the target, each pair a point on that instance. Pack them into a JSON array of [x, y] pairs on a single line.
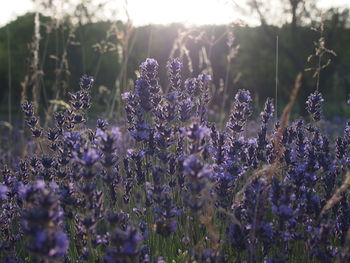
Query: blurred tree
[[67, 51]]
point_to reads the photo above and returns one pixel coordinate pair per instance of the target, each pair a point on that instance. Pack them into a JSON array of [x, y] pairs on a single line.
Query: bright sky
[[161, 11]]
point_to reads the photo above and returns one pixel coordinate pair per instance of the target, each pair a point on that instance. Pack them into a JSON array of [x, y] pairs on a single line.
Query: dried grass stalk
[[338, 194], [35, 65], [278, 150]]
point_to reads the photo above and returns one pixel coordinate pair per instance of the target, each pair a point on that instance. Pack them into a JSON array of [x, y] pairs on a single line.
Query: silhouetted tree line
[[95, 49]]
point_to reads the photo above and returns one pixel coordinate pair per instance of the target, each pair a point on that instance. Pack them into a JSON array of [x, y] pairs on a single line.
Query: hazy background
[[144, 12], [46, 45]]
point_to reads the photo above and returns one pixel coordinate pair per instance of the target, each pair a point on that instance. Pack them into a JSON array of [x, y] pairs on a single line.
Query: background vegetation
[[184, 175], [46, 65]]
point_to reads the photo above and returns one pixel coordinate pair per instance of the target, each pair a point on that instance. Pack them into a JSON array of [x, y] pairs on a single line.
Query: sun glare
[[141, 12], [192, 12], [11, 9]]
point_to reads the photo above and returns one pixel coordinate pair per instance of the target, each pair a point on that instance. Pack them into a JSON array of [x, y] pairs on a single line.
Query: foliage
[[95, 49]]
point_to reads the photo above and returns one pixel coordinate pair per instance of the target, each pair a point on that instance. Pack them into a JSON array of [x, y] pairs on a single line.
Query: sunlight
[[141, 12], [191, 12], [11, 9]]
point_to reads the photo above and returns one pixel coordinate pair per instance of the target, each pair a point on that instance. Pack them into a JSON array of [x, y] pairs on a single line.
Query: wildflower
[[36, 132], [174, 67], [314, 104], [28, 109], [53, 134], [124, 246], [243, 97], [86, 82], [196, 132], [143, 94], [197, 174], [149, 72], [32, 122], [149, 69], [102, 124], [185, 109], [268, 111], [191, 87], [3, 191], [240, 111], [109, 140], [203, 81], [42, 219]]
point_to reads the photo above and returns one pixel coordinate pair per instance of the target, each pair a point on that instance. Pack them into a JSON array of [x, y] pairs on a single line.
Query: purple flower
[[314, 104], [185, 109], [86, 82], [203, 81], [41, 222], [193, 166], [196, 132], [88, 157], [28, 109], [142, 91], [109, 140], [61, 245], [174, 67], [191, 87], [32, 122], [269, 109], [102, 124], [125, 246], [3, 191], [240, 111], [243, 96], [149, 72], [149, 68]]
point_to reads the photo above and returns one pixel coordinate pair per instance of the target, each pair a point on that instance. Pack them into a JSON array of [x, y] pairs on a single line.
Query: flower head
[[86, 82], [314, 104]]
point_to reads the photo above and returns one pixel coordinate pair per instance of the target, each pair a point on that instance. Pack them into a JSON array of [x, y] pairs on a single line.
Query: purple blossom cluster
[[314, 104], [171, 186]]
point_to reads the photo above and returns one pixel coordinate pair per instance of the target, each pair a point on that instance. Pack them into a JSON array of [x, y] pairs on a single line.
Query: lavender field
[[173, 186], [175, 159]]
